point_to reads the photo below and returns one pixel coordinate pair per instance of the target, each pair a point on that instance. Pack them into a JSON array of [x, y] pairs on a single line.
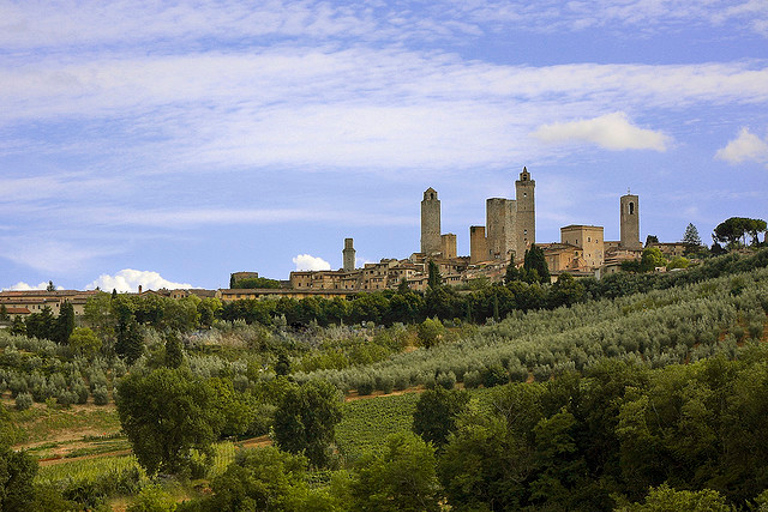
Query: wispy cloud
[[612, 131], [129, 280], [746, 147]]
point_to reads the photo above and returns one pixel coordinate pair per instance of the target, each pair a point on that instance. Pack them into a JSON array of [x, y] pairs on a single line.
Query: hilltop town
[[510, 230]]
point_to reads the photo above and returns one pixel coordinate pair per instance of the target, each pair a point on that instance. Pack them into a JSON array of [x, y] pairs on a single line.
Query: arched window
[[631, 208]]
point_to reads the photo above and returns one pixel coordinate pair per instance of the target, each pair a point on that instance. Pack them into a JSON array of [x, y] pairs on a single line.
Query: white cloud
[[612, 131], [307, 262], [24, 287], [746, 147], [128, 280]]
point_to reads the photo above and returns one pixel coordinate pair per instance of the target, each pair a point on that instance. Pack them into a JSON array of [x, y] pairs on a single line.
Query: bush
[[446, 380], [473, 379], [23, 401], [101, 396]]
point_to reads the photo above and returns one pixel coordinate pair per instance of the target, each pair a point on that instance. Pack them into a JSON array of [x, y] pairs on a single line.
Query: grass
[[43, 424]]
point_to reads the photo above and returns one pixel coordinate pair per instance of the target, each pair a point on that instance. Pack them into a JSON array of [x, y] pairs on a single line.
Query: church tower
[[348, 255], [630, 223], [526, 213], [430, 223]]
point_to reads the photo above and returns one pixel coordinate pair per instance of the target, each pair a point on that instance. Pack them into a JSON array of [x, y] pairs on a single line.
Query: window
[[631, 208]]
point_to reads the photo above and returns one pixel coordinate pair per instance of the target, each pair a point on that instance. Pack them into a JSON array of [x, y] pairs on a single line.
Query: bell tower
[[525, 220], [630, 222]]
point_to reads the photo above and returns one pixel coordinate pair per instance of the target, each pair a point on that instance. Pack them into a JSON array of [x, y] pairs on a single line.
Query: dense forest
[[640, 391]]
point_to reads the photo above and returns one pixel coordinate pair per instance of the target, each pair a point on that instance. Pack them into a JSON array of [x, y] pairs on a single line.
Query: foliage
[[535, 265], [436, 412], [429, 332], [731, 230], [401, 478], [152, 498], [165, 415], [691, 239], [265, 479], [306, 418], [666, 499], [651, 259], [255, 282], [84, 342]]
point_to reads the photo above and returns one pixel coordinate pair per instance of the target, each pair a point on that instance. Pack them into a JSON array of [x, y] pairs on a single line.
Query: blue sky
[[171, 143]]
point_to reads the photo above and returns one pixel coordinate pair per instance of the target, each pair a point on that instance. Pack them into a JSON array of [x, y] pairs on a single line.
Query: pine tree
[[691, 239]]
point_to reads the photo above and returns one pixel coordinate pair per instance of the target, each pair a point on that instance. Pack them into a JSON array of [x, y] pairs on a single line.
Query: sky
[[172, 143]]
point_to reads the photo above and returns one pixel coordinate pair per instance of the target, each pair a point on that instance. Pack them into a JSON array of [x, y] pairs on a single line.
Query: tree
[[264, 479], [434, 279], [174, 352], [652, 258], [4, 317], [84, 342], [17, 472], [650, 240], [306, 418], [731, 230], [512, 274], [534, 260], [41, 325], [153, 498], [166, 414], [130, 342], [401, 479], [691, 239], [429, 332], [436, 413], [565, 292], [65, 323], [666, 499]]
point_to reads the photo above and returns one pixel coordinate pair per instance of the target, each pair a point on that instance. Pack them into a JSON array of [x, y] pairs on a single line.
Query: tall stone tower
[[348, 255], [478, 246], [430, 223], [500, 227], [630, 223], [526, 213]]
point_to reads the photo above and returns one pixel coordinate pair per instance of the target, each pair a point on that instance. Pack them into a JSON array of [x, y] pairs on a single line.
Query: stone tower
[[630, 223], [430, 223], [500, 227], [349, 255], [478, 246], [526, 213]]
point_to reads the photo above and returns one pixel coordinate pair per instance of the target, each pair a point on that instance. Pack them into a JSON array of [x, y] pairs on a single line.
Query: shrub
[[23, 401], [446, 380], [473, 379], [101, 396]]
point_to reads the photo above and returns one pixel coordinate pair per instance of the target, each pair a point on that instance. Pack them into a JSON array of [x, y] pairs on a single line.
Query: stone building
[[587, 238], [430, 223], [348, 255], [630, 222], [510, 225]]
